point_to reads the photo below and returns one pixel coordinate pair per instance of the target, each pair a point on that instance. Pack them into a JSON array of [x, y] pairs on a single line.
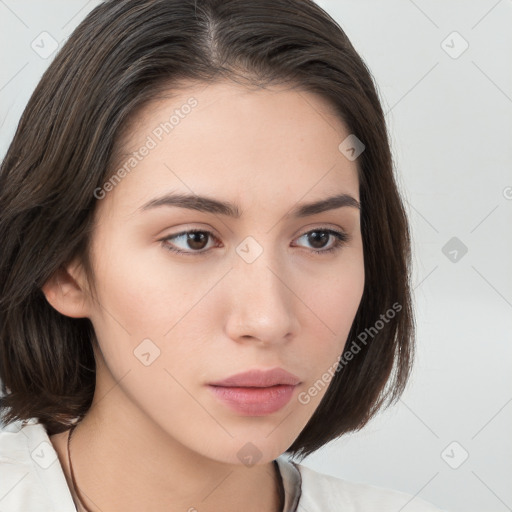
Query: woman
[[205, 264]]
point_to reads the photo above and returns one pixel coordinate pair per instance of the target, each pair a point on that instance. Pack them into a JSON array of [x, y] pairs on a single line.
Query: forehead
[[236, 141]]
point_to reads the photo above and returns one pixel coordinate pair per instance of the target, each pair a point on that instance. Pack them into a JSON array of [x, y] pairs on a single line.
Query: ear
[[66, 291]]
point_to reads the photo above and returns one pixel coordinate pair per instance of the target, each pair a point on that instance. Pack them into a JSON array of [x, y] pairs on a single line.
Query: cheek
[[341, 297], [145, 297], [141, 289], [335, 295], [334, 301]]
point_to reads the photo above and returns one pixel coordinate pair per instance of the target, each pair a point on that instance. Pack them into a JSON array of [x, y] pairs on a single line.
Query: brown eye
[[197, 240], [188, 242], [319, 239]]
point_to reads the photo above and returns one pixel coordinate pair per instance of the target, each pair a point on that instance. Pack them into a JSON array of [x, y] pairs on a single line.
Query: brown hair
[[119, 58]]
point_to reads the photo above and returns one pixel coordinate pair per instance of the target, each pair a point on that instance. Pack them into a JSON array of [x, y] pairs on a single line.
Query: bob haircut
[[123, 55]]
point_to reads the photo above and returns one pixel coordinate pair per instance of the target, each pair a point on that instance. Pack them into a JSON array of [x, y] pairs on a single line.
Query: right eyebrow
[[194, 202]]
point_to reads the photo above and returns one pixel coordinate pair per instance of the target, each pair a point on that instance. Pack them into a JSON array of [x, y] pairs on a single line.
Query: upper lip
[[259, 378]]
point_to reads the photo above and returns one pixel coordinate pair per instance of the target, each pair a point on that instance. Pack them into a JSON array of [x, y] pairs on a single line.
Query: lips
[[256, 392]]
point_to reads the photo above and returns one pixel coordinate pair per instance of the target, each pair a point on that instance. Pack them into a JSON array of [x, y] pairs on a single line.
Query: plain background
[[444, 75]]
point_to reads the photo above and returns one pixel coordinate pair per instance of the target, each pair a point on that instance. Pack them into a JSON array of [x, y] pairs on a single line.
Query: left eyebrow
[[209, 205], [330, 203]]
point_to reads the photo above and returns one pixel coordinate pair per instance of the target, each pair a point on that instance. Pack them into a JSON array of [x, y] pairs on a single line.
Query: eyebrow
[[209, 205]]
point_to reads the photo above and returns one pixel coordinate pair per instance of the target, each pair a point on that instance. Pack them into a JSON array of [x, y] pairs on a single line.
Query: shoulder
[[321, 492], [31, 477]]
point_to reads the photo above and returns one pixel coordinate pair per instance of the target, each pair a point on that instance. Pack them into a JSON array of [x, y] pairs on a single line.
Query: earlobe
[[66, 294]]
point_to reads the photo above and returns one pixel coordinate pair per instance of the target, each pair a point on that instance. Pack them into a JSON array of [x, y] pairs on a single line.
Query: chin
[[247, 450]]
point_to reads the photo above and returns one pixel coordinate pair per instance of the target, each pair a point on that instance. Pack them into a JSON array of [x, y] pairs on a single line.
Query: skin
[[156, 438]]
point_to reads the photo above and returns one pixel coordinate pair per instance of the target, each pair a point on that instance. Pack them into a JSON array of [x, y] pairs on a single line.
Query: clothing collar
[[290, 483]]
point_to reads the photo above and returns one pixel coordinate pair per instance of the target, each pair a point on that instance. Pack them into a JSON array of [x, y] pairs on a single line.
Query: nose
[[261, 306]]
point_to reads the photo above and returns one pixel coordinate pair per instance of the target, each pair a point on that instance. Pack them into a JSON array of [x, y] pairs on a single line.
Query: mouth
[[254, 401], [256, 392]]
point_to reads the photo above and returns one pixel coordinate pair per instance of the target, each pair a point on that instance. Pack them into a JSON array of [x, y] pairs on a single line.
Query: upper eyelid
[[325, 226]]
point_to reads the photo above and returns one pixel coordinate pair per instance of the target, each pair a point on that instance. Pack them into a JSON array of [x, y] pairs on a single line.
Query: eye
[[320, 237], [194, 242]]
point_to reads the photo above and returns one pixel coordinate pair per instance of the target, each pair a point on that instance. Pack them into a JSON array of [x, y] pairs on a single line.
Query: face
[[194, 291]]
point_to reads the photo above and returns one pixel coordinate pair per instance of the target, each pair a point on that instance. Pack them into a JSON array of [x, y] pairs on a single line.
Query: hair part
[[121, 56]]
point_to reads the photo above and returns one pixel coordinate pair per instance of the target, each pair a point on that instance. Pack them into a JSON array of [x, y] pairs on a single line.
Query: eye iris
[[197, 240], [318, 239]]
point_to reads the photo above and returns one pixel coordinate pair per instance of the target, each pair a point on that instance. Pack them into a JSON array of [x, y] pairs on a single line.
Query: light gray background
[[450, 118]]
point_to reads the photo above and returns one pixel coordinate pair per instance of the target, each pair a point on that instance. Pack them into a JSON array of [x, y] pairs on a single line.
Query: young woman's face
[[178, 311]]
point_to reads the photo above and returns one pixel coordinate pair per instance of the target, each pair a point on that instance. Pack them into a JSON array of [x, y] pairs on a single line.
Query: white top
[[32, 480]]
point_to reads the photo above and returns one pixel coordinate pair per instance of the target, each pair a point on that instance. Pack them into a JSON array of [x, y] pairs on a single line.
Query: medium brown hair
[[119, 58]]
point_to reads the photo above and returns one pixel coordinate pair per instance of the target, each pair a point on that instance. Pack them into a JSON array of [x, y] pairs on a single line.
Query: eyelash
[[341, 238]]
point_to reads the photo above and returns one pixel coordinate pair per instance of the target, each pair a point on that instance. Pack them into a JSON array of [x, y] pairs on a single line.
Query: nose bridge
[[262, 305]]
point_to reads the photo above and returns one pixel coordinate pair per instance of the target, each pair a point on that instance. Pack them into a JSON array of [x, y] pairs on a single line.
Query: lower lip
[[254, 401]]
